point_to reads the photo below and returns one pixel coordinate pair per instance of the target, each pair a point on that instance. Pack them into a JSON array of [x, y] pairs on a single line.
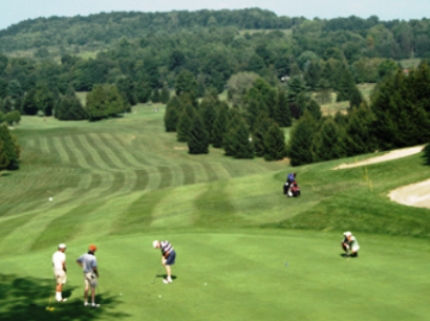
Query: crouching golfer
[[88, 263], [59, 264], [350, 244], [167, 259]]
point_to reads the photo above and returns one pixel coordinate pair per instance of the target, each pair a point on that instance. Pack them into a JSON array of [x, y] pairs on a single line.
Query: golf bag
[[291, 189]]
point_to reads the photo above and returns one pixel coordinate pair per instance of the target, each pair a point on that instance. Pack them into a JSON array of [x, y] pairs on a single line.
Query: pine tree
[[345, 86], [7, 105], [282, 110], [155, 96], [171, 115], [358, 130], [44, 99], [219, 127], [208, 113], [184, 125], [328, 143], [312, 75], [198, 138], [314, 109], [263, 124], [164, 95], [301, 140], [70, 108], [240, 144], [355, 98], [29, 106], [274, 141]]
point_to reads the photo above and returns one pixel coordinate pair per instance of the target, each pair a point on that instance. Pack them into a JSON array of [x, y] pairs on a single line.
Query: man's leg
[[86, 294]]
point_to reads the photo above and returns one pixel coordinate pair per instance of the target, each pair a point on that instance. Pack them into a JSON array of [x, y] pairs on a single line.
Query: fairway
[[245, 251]]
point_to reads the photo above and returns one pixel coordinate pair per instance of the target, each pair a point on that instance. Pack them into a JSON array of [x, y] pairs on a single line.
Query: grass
[[121, 183]]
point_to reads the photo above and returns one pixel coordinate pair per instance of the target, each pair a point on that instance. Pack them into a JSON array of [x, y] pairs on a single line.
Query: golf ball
[[50, 199], [159, 296], [120, 294], [205, 284]]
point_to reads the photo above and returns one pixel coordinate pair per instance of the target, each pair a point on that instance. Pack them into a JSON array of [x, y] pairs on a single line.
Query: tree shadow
[[426, 155], [26, 298]]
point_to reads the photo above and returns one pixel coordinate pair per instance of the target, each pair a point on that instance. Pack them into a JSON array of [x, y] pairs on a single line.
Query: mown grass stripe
[[210, 173], [73, 160], [79, 155], [106, 155], [140, 160], [166, 176], [64, 156], [92, 153], [117, 183], [142, 180], [44, 147], [119, 153], [188, 174]]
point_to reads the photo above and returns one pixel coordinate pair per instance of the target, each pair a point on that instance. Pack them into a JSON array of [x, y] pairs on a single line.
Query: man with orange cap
[[88, 263]]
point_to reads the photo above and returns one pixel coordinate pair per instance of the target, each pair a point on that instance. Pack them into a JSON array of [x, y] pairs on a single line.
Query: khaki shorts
[[90, 280], [60, 276]]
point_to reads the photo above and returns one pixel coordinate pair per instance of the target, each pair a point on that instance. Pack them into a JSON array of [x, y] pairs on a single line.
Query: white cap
[[61, 246], [347, 233], [155, 244]]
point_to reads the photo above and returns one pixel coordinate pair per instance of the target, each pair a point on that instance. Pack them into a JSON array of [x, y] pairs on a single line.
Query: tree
[[238, 85], [184, 124], [164, 95], [155, 96], [13, 117], [314, 109], [3, 88], [262, 125], [104, 101], [171, 115], [282, 110], [143, 92], [198, 138], [44, 99], [239, 145], [358, 130], [127, 89], [7, 105], [185, 83], [208, 113], [345, 86], [301, 140], [9, 150], [219, 127], [355, 98], [274, 141], [328, 142], [70, 108], [29, 105]]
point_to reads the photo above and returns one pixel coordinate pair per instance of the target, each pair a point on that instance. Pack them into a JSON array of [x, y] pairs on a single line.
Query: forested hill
[[390, 39], [109, 27]]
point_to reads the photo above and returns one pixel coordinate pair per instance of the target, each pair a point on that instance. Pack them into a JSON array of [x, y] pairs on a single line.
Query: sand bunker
[[395, 154], [413, 195]]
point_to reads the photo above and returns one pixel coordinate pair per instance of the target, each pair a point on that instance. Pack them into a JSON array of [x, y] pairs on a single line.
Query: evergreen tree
[[208, 113], [314, 109], [240, 144], [70, 108], [282, 110], [44, 99], [10, 149], [198, 138], [29, 106], [155, 98], [262, 126], [143, 92], [127, 89], [171, 116], [328, 142], [184, 125], [345, 86], [104, 101], [219, 127], [274, 141], [355, 98], [7, 105], [312, 75], [1, 117], [164, 95], [301, 140], [186, 83], [358, 130]]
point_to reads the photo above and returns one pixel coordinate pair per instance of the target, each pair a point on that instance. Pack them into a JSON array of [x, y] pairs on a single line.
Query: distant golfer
[[167, 259], [59, 264], [88, 263], [350, 244]]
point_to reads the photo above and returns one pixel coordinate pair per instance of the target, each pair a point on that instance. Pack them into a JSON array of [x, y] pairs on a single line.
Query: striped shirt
[[166, 247]]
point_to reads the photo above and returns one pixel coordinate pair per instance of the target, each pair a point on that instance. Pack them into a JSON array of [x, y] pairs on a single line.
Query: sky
[[14, 11]]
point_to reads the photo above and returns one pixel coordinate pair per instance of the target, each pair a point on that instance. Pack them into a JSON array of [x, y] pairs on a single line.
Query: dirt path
[[395, 154], [413, 195]]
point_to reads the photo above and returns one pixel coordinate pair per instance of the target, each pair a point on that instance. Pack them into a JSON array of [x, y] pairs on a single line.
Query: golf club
[[158, 271]]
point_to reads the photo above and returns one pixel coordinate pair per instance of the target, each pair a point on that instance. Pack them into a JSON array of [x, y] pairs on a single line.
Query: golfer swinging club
[[59, 264], [350, 245], [88, 263], [167, 259]]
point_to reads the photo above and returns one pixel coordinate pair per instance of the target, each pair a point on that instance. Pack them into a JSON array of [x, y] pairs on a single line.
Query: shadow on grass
[[163, 276], [427, 155], [25, 298]]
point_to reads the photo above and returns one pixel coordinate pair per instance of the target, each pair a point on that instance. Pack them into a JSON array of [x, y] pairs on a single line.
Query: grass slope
[[123, 182]]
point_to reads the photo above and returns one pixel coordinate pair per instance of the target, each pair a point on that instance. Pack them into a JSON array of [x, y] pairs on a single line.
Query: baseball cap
[[92, 248], [347, 233], [61, 246], [155, 244]]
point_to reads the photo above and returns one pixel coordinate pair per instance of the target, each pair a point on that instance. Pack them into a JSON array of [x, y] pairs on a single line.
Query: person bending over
[[350, 244], [167, 259]]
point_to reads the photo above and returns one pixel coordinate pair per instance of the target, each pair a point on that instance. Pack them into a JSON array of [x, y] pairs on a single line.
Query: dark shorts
[[171, 258]]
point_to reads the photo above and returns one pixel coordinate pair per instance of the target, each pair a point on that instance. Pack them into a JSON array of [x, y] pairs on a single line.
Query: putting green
[[241, 275]]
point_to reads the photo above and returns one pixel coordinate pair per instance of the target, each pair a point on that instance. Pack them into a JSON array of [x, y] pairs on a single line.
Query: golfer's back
[[88, 262]]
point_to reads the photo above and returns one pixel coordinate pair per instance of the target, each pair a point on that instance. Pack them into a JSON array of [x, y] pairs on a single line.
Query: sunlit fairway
[[245, 252]]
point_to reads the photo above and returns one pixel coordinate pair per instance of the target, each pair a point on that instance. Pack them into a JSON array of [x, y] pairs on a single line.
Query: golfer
[[167, 259], [88, 263], [350, 244], [59, 264]]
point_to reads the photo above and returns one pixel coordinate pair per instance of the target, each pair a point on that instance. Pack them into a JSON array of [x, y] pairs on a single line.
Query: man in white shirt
[[350, 245], [59, 264]]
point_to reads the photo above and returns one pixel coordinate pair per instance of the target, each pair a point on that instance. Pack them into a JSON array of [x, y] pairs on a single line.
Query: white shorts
[[90, 280], [60, 276]]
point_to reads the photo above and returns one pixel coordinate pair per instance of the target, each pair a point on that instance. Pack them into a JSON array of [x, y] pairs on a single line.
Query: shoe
[[94, 305], [62, 300], [165, 281], [169, 280], [85, 304]]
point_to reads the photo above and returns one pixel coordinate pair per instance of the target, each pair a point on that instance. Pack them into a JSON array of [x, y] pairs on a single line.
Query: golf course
[[244, 250]]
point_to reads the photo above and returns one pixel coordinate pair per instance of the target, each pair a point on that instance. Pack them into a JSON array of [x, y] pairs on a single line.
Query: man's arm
[[64, 266], [96, 272], [79, 263]]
